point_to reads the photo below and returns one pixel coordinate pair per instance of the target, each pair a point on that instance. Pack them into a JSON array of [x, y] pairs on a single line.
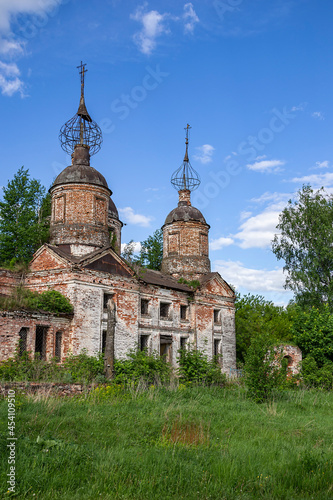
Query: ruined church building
[[155, 310]]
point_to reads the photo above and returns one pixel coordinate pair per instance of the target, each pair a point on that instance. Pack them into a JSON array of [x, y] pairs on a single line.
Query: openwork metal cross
[[82, 71]]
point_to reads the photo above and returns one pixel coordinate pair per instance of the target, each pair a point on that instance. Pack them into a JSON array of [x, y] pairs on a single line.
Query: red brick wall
[[185, 249], [79, 215], [12, 322]]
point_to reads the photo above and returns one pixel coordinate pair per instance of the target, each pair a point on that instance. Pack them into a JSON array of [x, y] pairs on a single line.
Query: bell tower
[[81, 221], [185, 231]]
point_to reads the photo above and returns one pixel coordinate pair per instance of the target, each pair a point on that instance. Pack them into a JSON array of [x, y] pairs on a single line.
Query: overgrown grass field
[[181, 442]]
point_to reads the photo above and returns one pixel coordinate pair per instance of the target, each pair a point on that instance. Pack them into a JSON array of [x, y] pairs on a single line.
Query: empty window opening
[[40, 343], [166, 348], [183, 312], [217, 316], [183, 342], [144, 307], [106, 298], [58, 345], [23, 334], [217, 347], [144, 342], [164, 310], [103, 341]]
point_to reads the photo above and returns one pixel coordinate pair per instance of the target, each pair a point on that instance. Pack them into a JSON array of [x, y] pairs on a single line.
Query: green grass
[[187, 443]]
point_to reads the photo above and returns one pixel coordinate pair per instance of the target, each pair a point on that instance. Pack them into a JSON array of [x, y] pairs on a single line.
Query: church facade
[[161, 311]]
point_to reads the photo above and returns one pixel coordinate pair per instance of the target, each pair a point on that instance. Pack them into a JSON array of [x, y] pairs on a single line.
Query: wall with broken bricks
[[12, 322], [86, 288]]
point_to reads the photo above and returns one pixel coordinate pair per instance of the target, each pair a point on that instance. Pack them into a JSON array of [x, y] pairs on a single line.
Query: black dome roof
[[113, 212], [84, 174], [185, 212]]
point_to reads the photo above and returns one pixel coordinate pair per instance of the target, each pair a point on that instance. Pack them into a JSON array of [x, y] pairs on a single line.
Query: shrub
[[26, 368], [23, 298], [140, 365], [194, 366], [264, 370], [79, 369], [83, 368], [317, 377]]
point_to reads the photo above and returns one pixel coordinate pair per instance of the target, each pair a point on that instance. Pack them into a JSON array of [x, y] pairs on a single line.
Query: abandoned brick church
[[155, 310]]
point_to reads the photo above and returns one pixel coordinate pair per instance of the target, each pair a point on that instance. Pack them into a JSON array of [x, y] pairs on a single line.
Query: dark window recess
[[106, 297], [288, 360], [40, 344], [217, 347], [164, 310], [58, 345], [144, 342], [166, 348], [183, 312], [217, 316], [183, 342], [103, 341], [144, 307], [23, 334]]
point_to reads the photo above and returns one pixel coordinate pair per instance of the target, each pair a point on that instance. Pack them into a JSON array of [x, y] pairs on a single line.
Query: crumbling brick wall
[[11, 323]]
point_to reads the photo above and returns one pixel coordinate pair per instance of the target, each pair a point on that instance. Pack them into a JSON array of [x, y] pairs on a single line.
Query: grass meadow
[[180, 442]]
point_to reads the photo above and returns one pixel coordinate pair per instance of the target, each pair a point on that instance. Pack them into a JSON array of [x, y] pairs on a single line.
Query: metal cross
[[83, 69]]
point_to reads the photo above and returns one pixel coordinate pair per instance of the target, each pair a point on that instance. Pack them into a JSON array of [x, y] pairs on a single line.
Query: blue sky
[[253, 79]]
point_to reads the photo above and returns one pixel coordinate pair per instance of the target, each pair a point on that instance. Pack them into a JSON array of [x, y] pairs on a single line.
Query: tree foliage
[[151, 252], [305, 243], [313, 333], [256, 316], [24, 218]]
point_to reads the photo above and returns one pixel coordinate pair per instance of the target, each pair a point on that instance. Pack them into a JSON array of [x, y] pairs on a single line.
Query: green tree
[[24, 218], [151, 252], [256, 316], [305, 243], [313, 333]]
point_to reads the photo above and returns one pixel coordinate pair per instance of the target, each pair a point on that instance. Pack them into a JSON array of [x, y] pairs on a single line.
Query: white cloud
[[272, 197], [316, 180], [190, 17], [244, 215], [321, 164], [131, 217], [135, 244], [205, 153], [318, 115], [220, 243], [259, 230], [10, 46], [254, 280], [10, 83], [153, 26], [266, 165]]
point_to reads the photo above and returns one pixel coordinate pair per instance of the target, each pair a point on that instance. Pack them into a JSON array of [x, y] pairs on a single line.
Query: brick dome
[[80, 174], [80, 171], [184, 213]]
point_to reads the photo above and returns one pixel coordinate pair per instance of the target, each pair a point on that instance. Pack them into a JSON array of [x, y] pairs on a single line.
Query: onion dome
[[80, 171], [113, 212]]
